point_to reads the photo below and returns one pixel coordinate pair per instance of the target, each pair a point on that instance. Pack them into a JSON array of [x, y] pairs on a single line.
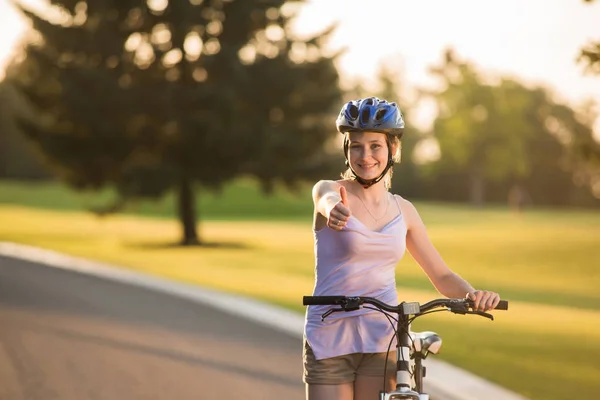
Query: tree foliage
[[18, 160], [588, 152], [590, 54], [149, 96], [493, 133]]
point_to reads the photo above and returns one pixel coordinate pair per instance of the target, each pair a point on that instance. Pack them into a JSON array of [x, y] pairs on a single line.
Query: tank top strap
[[397, 204]]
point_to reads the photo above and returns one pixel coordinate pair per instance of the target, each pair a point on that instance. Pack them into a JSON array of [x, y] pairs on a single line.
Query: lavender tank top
[[356, 261]]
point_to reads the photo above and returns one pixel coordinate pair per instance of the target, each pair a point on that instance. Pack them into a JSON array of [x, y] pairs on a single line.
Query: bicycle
[[412, 347]]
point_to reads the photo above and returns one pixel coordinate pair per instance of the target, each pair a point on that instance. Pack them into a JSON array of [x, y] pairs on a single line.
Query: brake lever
[[329, 312], [463, 310], [459, 309], [481, 313]]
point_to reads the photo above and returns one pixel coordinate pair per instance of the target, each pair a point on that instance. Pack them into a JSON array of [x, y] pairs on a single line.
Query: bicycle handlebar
[[349, 303]]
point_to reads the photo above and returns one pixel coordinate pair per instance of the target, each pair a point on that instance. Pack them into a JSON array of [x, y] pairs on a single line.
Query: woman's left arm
[[441, 276]]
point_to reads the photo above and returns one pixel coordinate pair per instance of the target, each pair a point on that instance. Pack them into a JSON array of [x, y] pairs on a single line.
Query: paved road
[[72, 337]]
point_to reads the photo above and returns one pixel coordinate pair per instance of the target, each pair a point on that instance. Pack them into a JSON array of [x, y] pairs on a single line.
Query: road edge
[[444, 381]]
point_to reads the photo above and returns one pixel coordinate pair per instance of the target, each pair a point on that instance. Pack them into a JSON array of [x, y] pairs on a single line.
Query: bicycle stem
[[403, 379]]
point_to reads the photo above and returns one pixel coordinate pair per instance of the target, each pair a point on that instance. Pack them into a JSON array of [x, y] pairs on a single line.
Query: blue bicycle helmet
[[373, 115]]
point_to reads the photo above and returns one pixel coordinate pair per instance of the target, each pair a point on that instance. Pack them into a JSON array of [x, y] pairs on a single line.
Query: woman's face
[[367, 153]]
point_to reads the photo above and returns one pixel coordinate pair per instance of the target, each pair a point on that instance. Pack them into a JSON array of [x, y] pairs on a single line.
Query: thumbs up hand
[[340, 213], [344, 197]]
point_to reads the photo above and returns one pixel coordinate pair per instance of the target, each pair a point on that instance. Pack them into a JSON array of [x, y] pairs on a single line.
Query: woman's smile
[[368, 167]]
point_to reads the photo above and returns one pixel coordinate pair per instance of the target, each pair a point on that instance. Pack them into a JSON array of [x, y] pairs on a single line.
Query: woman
[[361, 232]]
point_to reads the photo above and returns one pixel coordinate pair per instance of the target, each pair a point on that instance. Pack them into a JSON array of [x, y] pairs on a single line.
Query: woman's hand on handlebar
[[484, 300]]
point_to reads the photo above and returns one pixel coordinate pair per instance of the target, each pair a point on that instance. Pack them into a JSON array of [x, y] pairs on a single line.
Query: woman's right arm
[[331, 205]]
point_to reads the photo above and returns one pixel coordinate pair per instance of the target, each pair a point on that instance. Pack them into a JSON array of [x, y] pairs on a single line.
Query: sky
[[535, 41]]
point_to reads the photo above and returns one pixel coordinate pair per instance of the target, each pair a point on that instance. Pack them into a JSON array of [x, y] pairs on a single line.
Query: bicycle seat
[[426, 342]]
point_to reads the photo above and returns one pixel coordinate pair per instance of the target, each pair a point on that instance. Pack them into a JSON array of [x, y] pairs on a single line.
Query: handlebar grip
[[502, 305], [322, 300]]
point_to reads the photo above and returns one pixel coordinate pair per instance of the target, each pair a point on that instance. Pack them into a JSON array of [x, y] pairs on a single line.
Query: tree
[[17, 159], [149, 96], [492, 134], [588, 151], [475, 128], [590, 54]]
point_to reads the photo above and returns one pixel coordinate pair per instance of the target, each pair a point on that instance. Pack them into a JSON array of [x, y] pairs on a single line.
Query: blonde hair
[[391, 140]]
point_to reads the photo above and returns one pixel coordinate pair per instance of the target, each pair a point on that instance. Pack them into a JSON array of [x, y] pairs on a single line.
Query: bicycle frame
[[405, 352], [404, 388]]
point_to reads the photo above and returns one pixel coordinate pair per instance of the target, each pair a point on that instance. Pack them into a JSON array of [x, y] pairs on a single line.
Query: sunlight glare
[[144, 55], [298, 52], [272, 13], [157, 5], [214, 27], [247, 54], [192, 46], [426, 151], [536, 42], [212, 46], [80, 13], [199, 74], [172, 58], [274, 33], [133, 42], [160, 34]]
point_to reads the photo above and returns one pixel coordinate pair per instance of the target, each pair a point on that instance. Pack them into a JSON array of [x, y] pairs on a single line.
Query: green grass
[[546, 262], [240, 201]]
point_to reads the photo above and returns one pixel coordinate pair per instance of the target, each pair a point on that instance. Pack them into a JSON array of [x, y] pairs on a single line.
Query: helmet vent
[[380, 114], [365, 115], [353, 111]]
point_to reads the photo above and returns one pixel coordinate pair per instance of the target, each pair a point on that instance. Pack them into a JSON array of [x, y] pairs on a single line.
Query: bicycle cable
[[410, 320], [387, 314], [390, 317], [387, 357], [387, 354]]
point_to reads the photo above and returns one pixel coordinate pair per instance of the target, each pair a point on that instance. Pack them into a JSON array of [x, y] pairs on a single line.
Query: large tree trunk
[[187, 211]]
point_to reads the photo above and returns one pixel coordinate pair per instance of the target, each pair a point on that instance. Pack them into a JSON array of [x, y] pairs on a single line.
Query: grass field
[[547, 263], [52, 196]]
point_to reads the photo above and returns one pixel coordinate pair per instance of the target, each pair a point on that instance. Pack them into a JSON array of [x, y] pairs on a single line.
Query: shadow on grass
[[180, 245]]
